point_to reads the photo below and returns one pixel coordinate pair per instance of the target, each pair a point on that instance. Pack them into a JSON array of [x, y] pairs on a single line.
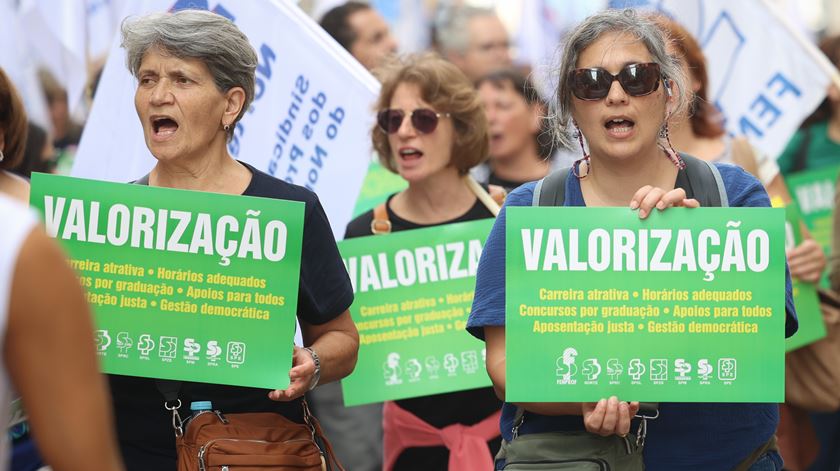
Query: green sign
[[414, 291], [686, 306], [811, 325], [814, 192], [185, 285], [379, 184]]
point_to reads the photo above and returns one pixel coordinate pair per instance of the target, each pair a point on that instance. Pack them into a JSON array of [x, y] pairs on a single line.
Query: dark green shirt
[[822, 151]]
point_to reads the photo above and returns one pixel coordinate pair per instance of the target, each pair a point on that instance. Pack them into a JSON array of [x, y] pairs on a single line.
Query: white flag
[[308, 125], [763, 75], [103, 20], [20, 66], [56, 30]]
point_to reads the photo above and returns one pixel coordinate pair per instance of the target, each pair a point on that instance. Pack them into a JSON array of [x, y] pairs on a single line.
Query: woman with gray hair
[[628, 162], [195, 73]]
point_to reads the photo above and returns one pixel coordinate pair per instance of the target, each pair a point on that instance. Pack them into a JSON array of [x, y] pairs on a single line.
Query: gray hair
[[195, 34], [453, 34], [625, 21]]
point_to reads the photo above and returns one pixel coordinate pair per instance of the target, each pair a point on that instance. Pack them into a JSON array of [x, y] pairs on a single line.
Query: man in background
[[362, 31], [475, 40]]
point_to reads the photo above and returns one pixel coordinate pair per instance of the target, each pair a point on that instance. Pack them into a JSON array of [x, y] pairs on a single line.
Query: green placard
[[184, 285], [805, 298], [686, 306], [378, 185], [414, 292], [813, 191]]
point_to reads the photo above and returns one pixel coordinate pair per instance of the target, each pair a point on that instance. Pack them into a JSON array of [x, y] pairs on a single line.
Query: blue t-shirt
[[685, 436]]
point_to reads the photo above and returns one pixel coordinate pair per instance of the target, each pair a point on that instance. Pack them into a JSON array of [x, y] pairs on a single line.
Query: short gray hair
[[453, 34], [195, 34], [625, 21]]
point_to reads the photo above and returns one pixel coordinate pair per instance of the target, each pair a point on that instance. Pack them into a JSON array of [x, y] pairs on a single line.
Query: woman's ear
[[671, 91], [235, 99]]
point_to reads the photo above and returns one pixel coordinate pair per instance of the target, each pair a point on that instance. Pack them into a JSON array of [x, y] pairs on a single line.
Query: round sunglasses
[[595, 83], [424, 120]]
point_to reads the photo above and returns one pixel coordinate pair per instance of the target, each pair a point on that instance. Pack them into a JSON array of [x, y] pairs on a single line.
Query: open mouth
[[164, 126], [410, 153], [619, 126]]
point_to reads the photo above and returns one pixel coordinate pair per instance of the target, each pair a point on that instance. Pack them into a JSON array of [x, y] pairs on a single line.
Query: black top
[[508, 185], [144, 427], [464, 407]]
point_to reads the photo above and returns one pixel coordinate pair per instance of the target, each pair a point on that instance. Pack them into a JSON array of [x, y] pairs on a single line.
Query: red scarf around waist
[[467, 444]]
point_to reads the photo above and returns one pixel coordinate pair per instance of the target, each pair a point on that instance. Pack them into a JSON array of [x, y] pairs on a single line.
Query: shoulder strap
[[144, 180], [169, 389], [705, 182], [800, 158], [551, 190], [380, 224]]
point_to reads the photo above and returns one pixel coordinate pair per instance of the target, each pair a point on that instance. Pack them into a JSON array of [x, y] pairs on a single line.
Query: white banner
[[309, 123], [56, 29], [763, 75], [19, 65]]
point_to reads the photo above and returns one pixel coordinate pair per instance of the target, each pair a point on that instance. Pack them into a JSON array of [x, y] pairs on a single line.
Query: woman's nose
[[160, 93], [617, 95], [406, 129]]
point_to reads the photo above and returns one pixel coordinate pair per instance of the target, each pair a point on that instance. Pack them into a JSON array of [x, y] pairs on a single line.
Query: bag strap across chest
[[701, 180]]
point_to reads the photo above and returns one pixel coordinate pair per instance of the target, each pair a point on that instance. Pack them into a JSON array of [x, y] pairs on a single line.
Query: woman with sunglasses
[[431, 130], [618, 88]]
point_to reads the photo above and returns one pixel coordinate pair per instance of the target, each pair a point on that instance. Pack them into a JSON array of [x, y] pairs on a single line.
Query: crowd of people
[[629, 119]]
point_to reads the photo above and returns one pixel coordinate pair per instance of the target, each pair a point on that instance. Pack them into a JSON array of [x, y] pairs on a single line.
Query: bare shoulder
[[14, 186]]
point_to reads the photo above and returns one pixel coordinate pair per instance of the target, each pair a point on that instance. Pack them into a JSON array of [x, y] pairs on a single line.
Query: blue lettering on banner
[[285, 127], [304, 168], [766, 109]]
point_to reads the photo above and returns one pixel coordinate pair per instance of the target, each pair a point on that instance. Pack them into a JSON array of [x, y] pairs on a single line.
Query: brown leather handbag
[[259, 441], [250, 441], [812, 373]]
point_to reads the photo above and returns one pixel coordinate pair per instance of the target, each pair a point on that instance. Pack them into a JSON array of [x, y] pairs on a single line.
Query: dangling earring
[[2, 156], [673, 155], [583, 160], [227, 127]]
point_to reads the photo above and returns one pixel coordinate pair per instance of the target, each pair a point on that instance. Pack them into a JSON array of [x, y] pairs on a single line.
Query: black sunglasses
[[595, 83], [424, 120]]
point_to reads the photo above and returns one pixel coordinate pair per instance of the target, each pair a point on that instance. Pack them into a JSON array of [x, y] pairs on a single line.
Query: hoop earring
[[226, 127], [673, 155], [2, 156], [583, 160]]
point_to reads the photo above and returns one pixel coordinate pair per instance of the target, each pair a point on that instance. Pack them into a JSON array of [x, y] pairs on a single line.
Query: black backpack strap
[[701, 180], [551, 190], [800, 158], [169, 389]]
